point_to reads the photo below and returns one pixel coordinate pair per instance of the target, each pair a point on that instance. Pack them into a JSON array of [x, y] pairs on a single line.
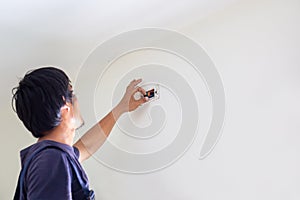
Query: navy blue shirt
[[50, 174]]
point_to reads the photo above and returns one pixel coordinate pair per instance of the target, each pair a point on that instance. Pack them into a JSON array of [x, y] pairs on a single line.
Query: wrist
[[118, 110]]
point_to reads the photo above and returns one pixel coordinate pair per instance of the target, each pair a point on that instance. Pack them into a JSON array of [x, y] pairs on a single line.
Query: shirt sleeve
[[49, 176], [76, 151]]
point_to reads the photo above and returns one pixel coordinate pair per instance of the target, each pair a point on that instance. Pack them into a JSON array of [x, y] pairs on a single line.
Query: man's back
[[50, 174]]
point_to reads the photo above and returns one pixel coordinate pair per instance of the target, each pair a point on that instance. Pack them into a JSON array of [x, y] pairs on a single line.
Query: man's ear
[[65, 108]]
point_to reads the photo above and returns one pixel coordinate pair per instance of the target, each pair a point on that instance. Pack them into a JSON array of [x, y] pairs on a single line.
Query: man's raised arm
[[93, 139]]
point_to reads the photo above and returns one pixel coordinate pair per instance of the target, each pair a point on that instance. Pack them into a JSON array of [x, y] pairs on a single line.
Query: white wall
[[255, 47]]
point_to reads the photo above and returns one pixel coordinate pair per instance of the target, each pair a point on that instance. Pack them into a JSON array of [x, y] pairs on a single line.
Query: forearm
[[94, 138]]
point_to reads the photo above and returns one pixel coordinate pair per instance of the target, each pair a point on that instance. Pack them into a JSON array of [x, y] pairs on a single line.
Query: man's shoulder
[[47, 152], [50, 158], [49, 164]]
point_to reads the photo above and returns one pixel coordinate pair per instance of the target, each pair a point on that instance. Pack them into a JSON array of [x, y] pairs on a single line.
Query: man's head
[[39, 98]]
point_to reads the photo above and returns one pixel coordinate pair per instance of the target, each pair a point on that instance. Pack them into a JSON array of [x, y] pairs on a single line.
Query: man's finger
[[142, 100], [141, 90], [134, 83]]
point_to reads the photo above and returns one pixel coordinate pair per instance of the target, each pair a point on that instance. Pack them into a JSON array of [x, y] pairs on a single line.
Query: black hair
[[39, 98]]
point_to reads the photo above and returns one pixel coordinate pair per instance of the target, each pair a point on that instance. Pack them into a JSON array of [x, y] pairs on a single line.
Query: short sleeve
[[49, 176], [76, 151]]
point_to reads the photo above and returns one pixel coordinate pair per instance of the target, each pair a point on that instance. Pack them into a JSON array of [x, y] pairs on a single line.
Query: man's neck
[[59, 134]]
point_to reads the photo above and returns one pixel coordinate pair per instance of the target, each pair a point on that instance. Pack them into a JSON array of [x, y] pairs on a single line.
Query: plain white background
[[255, 46]]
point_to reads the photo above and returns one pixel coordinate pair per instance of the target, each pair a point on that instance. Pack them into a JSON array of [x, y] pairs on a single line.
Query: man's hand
[[128, 102]]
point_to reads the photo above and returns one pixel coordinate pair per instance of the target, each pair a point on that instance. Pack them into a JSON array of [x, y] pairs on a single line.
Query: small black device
[[150, 93]]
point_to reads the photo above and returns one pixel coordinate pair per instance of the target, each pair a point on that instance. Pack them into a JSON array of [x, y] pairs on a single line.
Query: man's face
[[76, 118]]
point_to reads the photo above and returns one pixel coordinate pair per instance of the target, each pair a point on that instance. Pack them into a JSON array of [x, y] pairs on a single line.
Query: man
[[45, 103]]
